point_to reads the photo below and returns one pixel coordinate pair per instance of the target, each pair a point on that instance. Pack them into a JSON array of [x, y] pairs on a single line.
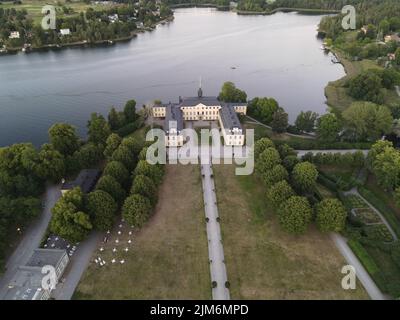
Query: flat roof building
[[27, 282], [86, 180]]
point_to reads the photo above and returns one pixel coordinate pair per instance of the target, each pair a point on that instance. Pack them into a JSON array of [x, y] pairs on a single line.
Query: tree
[[88, 155], [263, 109], [328, 127], [268, 159], [305, 176], [376, 149], [366, 86], [102, 209], [278, 173], [397, 196], [260, 145], [63, 138], [112, 187], [395, 253], [229, 93], [331, 215], [116, 120], [285, 150], [143, 153], [295, 215], [386, 167], [279, 121], [125, 156], [68, 220], [136, 210], [98, 129], [130, 111], [154, 172], [367, 120], [279, 193], [397, 53], [384, 26], [305, 121], [145, 186], [289, 162], [112, 143], [134, 145], [118, 171], [51, 164]]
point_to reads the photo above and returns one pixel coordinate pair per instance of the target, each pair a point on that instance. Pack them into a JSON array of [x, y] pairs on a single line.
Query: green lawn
[[34, 7], [264, 262], [169, 255]]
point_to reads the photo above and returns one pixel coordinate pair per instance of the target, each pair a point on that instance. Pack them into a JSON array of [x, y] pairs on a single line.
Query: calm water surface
[[277, 56]]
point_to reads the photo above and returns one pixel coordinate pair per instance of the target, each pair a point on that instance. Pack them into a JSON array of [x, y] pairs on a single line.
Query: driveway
[[215, 246], [31, 240]]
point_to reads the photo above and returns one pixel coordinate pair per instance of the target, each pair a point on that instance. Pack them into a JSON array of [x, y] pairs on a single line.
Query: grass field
[[169, 258], [34, 7], [263, 262]]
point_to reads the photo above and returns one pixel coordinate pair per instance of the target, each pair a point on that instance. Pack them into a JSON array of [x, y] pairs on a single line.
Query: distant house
[[65, 32], [392, 37], [86, 180], [364, 29], [391, 56], [27, 282], [14, 35], [113, 18]]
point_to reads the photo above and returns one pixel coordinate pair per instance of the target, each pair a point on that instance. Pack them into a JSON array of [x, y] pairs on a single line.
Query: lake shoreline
[[85, 43]]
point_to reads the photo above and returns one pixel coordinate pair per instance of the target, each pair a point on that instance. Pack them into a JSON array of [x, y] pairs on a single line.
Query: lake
[[276, 56]]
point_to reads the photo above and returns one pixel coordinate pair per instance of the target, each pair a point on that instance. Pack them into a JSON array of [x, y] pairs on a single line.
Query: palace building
[[201, 108]]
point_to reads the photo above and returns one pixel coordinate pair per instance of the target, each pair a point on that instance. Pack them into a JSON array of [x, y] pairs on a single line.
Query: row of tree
[[362, 121], [384, 162], [289, 182], [143, 193], [76, 214]]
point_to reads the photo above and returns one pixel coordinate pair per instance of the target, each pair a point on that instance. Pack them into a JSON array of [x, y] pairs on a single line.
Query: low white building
[[65, 32], [113, 18], [14, 35], [27, 282]]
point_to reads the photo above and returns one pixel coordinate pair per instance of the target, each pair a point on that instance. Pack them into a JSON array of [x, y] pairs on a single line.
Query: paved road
[[355, 192], [31, 240], [215, 246], [301, 153], [77, 266], [369, 285], [305, 136]]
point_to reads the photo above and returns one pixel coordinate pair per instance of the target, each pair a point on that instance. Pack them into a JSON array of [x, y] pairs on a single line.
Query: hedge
[[314, 144], [383, 208], [130, 128], [326, 182], [363, 256]]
